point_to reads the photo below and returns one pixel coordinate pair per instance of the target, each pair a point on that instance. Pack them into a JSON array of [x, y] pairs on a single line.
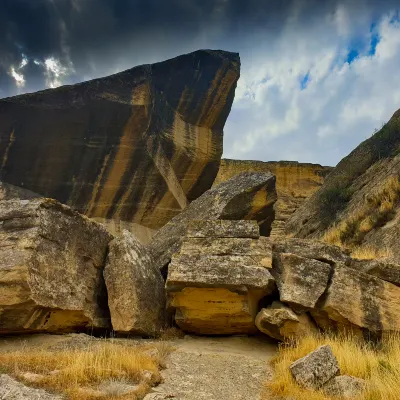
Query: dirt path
[[232, 368]]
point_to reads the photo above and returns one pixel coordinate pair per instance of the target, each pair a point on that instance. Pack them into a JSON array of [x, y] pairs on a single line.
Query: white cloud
[[19, 78], [339, 107]]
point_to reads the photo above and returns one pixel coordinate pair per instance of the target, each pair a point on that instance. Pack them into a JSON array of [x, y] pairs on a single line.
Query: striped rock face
[[135, 147]]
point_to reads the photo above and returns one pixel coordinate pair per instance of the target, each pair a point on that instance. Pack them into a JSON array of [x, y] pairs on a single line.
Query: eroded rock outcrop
[[135, 288], [358, 203], [214, 293], [248, 196], [131, 149], [295, 182], [51, 268]]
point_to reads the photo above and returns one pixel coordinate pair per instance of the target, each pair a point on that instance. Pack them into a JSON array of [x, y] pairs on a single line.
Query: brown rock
[[223, 229], [136, 295], [136, 146], [280, 322], [51, 268], [295, 182], [248, 196], [354, 297], [301, 281], [216, 294], [384, 269], [344, 387], [315, 369]]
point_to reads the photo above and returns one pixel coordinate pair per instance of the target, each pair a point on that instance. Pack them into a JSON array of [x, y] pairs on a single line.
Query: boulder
[[344, 387], [135, 288], [280, 322], [223, 229], [301, 281], [357, 298], [313, 249], [217, 293], [385, 269], [248, 196], [316, 368], [51, 268], [295, 183], [136, 146]]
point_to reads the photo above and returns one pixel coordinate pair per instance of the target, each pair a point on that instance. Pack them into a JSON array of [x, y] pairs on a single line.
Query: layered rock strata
[[295, 182], [51, 268], [215, 293], [248, 196], [134, 148]]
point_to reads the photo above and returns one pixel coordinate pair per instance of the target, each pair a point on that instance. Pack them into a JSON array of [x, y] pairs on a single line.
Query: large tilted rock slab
[[281, 322], [217, 293], [365, 301], [316, 368], [135, 288], [136, 146], [385, 269], [223, 229], [248, 196], [51, 268]]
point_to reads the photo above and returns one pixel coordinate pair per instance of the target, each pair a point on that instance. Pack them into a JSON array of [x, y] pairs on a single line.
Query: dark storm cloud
[[91, 38]]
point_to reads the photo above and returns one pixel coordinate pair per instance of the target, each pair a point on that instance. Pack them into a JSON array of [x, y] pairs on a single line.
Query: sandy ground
[[209, 368]]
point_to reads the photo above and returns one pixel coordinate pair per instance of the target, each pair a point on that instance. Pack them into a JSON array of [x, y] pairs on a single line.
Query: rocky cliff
[[295, 182], [132, 148], [358, 204]]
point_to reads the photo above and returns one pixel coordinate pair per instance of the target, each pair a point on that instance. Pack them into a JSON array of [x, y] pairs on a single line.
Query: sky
[[317, 76]]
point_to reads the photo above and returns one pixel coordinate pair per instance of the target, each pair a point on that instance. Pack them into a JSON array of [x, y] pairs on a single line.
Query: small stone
[[344, 387], [316, 368]]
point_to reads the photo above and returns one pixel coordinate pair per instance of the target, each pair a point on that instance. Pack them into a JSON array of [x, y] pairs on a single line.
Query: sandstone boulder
[[280, 322], [301, 281], [357, 298], [135, 147], [385, 269], [51, 268], [217, 293], [135, 288], [246, 196], [344, 387], [295, 183], [316, 368], [223, 229]]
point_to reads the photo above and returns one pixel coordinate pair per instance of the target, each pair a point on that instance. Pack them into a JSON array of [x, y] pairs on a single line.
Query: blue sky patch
[[304, 81]]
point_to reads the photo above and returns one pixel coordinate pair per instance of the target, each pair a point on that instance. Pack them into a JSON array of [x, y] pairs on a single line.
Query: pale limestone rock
[[280, 322], [223, 229], [344, 387], [136, 295], [51, 268], [316, 368], [365, 301], [301, 281], [248, 196]]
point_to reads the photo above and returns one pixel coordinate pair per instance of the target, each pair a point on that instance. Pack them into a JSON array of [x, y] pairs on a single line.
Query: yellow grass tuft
[[377, 210], [79, 372], [380, 367], [368, 252]]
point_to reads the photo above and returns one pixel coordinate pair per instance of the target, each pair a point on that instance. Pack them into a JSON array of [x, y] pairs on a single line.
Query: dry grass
[[380, 367], [377, 210], [368, 252], [99, 370]]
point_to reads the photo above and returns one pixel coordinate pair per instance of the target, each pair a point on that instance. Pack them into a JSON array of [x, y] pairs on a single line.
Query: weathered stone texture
[[301, 281], [51, 268], [384, 269], [280, 322], [362, 300], [135, 288], [136, 146], [316, 368], [344, 387], [223, 229], [295, 182], [248, 196]]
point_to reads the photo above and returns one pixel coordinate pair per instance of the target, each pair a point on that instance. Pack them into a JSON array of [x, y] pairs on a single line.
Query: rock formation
[[132, 149], [51, 268], [135, 288], [213, 293], [358, 203], [295, 182], [246, 196]]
